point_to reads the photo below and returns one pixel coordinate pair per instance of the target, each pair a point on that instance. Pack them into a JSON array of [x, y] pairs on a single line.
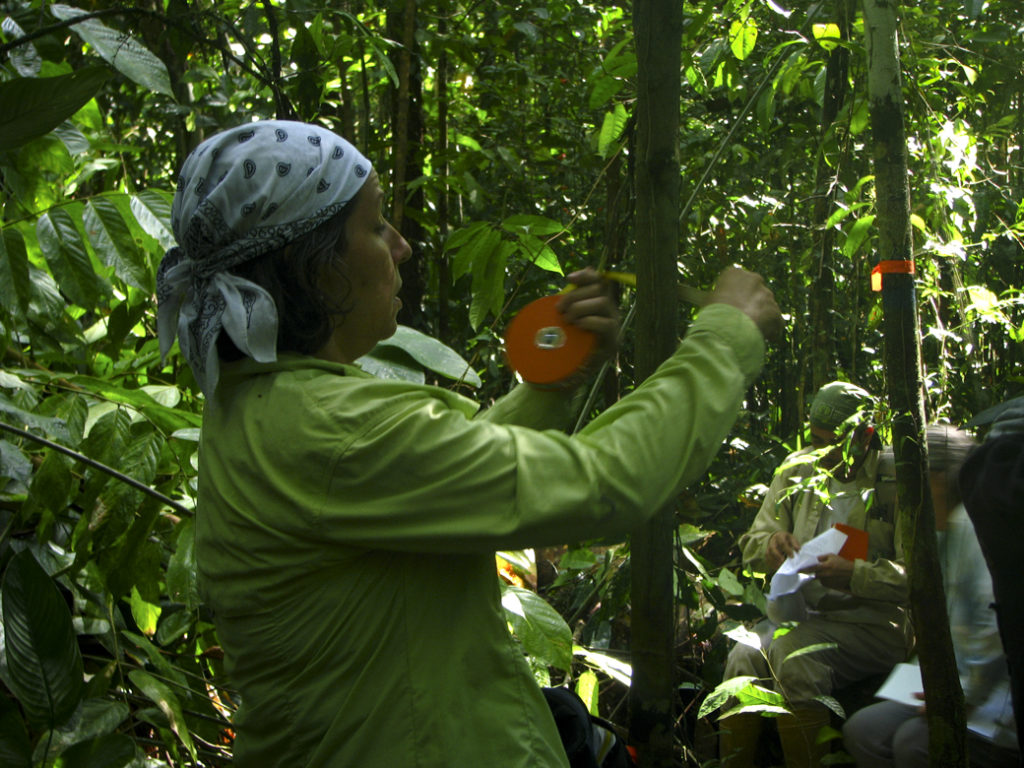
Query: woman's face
[[368, 282]]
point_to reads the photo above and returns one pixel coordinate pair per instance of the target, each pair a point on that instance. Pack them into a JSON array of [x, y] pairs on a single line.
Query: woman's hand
[[590, 306]]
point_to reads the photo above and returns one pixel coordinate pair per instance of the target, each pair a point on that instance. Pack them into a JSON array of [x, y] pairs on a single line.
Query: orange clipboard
[[856, 546]]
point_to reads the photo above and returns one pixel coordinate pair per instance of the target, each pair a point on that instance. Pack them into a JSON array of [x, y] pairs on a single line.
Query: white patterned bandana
[[243, 193]]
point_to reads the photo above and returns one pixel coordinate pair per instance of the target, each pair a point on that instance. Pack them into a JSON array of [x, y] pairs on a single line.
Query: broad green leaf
[[146, 614], [392, 364], [539, 627], [432, 354], [51, 487], [489, 283], [603, 89], [539, 253], [745, 637], [15, 416], [24, 57], [531, 224], [181, 570], [859, 232], [722, 693], [484, 242], [15, 469], [152, 209], [121, 50], [43, 660], [95, 718], [15, 748], [742, 37], [161, 695], [68, 259], [611, 129], [727, 580], [587, 689], [578, 559], [827, 35], [836, 707], [112, 750], [15, 281], [34, 106], [112, 240]]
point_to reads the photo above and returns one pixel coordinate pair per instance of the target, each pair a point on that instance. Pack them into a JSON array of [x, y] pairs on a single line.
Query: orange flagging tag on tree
[[896, 266]]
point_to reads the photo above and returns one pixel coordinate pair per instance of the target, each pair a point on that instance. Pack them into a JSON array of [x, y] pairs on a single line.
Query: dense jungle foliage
[[506, 134]]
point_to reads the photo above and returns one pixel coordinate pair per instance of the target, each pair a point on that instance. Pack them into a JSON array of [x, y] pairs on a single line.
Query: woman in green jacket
[[346, 525]]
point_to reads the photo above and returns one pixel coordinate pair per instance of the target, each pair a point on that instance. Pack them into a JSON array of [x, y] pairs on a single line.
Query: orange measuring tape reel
[[542, 347]]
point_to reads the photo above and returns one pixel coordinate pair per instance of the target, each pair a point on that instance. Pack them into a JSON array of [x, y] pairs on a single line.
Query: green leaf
[[612, 126], [50, 491], [727, 580], [722, 693], [121, 50], [587, 689], [810, 649], [432, 354], [827, 35], [152, 209], [17, 417], [113, 242], [489, 283], [485, 241], [539, 253], [68, 259], [859, 232], [164, 698], [95, 718], [539, 627], [15, 748], [146, 614], [113, 750], [43, 659], [25, 57], [15, 282], [742, 37], [615, 668], [531, 224], [34, 106], [15, 469], [181, 570]]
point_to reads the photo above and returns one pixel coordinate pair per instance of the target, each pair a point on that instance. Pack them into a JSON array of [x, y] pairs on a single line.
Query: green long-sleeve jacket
[[345, 536]]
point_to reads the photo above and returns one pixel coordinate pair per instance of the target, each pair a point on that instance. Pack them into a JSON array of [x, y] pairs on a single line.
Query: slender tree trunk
[[443, 264], [822, 298], [944, 698], [658, 32]]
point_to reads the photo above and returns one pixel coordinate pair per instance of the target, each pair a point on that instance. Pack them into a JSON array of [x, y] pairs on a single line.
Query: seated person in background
[[892, 734], [858, 605]]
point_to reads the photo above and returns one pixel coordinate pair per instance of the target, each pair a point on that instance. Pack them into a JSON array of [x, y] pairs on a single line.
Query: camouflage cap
[[838, 401]]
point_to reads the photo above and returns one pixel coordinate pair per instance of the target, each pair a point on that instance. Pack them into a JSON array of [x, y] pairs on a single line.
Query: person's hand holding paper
[[807, 562]]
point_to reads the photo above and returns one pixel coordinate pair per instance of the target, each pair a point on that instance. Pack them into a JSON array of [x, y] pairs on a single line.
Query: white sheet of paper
[[905, 680], [901, 685], [788, 578]]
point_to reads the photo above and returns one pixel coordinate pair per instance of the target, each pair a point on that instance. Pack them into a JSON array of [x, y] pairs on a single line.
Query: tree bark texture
[[901, 331], [658, 32]]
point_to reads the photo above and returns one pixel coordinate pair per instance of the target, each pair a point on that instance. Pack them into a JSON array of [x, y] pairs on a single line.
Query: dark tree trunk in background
[[822, 297], [408, 160], [658, 31], [944, 697]]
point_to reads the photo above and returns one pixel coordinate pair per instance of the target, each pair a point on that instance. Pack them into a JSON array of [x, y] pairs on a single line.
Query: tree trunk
[[658, 32], [944, 697], [822, 298]]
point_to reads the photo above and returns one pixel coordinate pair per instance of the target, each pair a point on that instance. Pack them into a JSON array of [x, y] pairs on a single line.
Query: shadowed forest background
[[506, 134]]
